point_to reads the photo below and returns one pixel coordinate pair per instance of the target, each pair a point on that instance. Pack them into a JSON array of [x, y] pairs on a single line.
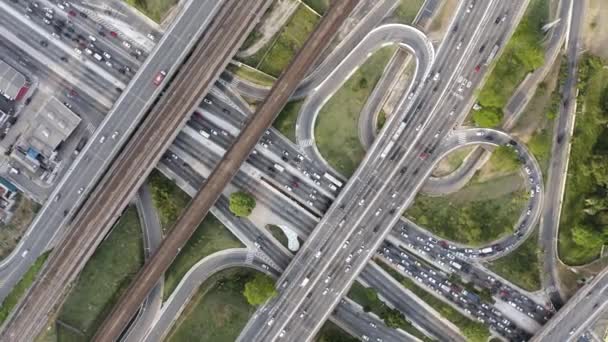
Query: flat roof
[[11, 80], [53, 123]]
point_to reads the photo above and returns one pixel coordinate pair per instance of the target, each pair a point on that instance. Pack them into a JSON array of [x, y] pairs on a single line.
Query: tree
[[487, 117], [259, 289], [241, 203], [394, 319], [505, 158]]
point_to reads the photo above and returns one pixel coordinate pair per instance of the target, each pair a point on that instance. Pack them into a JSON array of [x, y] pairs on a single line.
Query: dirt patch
[[595, 28], [11, 233], [439, 24], [451, 162]]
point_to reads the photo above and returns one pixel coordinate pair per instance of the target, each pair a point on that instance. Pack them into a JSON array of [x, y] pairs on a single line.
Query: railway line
[[197, 74], [224, 171]]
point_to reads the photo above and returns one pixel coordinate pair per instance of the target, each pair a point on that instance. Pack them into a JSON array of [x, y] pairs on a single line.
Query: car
[[326, 291], [423, 155], [151, 37], [347, 269], [69, 106], [288, 188], [80, 190], [282, 333], [72, 13], [372, 324], [44, 43], [107, 55], [92, 38], [46, 21], [126, 44], [115, 134], [437, 134], [418, 127], [113, 34], [459, 45], [88, 51], [361, 202], [365, 337], [537, 188], [482, 48], [160, 77], [349, 258], [327, 280], [138, 52], [477, 67], [480, 133], [108, 64], [25, 253]]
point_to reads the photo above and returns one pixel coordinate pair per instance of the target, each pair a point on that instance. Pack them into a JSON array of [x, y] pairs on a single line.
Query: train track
[[224, 171], [200, 70]]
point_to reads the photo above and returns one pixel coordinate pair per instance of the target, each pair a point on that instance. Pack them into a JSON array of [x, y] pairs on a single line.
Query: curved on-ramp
[[404, 36], [531, 213]]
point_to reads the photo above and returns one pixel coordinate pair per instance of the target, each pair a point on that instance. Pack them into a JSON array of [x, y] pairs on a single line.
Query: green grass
[[540, 146], [319, 6], [522, 266], [21, 287], [381, 120], [154, 9], [474, 221], [523, 54], [23, 213], [217, 312], [168, 199], [336, 130], [368, 298], [251, 74], [210, 236], [407, 10], [332, 333], [276, 54], [287, 118], [452, 161], [583, 221], [278, 234], [105, 277], [473, 331]]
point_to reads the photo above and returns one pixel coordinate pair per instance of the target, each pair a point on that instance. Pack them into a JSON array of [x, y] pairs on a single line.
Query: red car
[[477, 68], [72, 13], [113, 34], [423, 155], [160, 77]]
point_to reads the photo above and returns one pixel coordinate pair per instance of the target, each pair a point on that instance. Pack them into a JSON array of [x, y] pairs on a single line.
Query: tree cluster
[[241, 203]]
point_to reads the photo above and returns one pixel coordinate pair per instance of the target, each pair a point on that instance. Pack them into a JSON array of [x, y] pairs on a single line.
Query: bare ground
[[596, 27]]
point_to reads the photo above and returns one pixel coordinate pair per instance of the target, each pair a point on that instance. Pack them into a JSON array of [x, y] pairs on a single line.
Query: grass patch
[[218, 311], [407, 10], [10, 234], [473, 331], [540, 146], [522, 55], [276, 55], [210, 236], [168, 199], [368, 298], [381, 120], [451, 162], [584, 216], [336, 130], [252, 75], [332, 333], [522, 266], [278, 234], [287, 118], [319, 6], [21, 287], [474, 221], [153, 9], [105, 277], [505, 160]]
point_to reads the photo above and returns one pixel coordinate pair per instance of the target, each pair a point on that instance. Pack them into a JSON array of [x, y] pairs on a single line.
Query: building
[[8, 193], [13, 85], [52, 125]]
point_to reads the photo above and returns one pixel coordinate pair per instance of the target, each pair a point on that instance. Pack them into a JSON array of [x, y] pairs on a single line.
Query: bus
[[279, 167], [333, 179]]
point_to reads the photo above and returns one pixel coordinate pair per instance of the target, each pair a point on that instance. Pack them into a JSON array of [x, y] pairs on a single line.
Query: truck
[[279, 167], [456, 265], [487, 250], [399, 130], [388, 147]]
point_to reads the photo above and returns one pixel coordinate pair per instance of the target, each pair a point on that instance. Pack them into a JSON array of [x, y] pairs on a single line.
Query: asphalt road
[[106, 203], [320, 252], [95, 158], [558, 164]]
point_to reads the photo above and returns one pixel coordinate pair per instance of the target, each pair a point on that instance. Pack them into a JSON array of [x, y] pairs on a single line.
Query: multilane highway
[[135, 161], [96, 157], [224, 172], [320, 258]]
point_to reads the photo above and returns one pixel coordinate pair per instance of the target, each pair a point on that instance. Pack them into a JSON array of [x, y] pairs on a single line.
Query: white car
[[126, 44], [102, 139], [151, 37], [80, 190], [114, 135], [109, 64], [92, 38], [88, 51], [107, 55]]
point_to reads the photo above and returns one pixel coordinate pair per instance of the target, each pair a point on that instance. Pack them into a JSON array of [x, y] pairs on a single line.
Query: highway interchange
[[296, 192]]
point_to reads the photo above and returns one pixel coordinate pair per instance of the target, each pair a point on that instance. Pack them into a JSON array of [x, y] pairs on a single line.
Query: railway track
[[218, 44], [225, 170]]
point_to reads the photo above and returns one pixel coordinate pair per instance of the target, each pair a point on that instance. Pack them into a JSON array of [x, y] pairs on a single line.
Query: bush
[[487, 117], [259, 289], [241, 203]]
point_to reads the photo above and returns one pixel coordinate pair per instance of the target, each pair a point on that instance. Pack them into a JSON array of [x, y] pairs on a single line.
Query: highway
[[193, 151], [228, 166], [135, 161], [404, 36], [558, 164], [306, 274], [95, 158], [189, 180]]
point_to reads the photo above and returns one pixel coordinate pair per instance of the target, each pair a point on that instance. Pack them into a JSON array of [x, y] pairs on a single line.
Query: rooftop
[[52, 124], [11, 81]]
